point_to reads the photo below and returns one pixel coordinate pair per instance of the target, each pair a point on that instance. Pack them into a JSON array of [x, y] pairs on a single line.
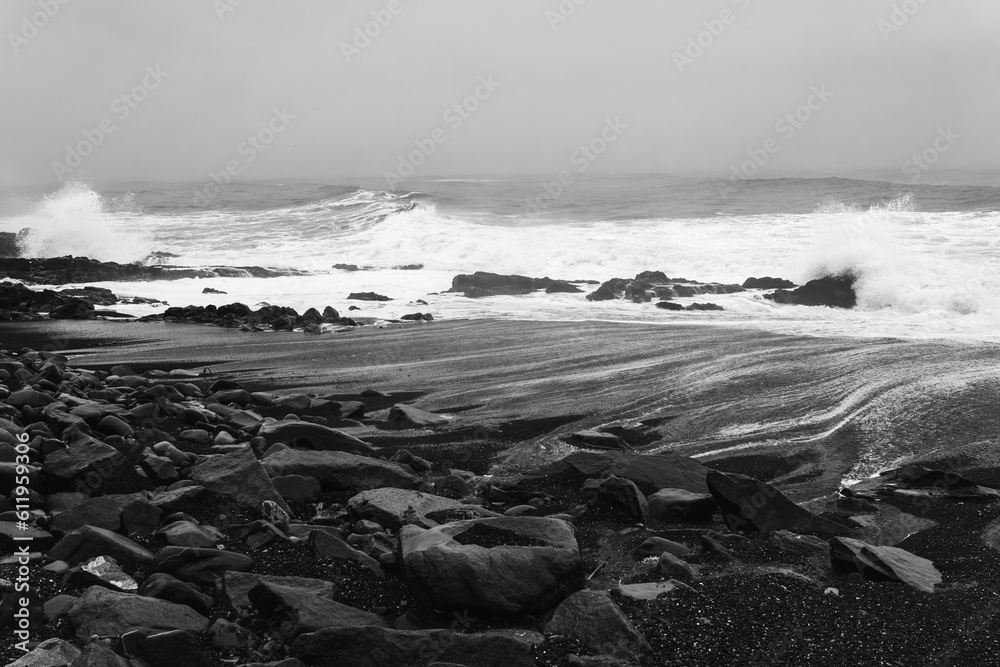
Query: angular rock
[[188, 534], [373, 646], [594, 620], [339, 470], [238, 475], [49, 653], [140, 518], [328, 545], [680, 506], [394, 508], [621, 490], [661, 471], [522, 564], [916, 480], [100, 512], [306, 435], [407, 415], [237, 586], [88, 542], [100, 611], [879, 562], [85, 467], [749, 504], [200, 566], [289, 611], [165, 587], [673, 567]]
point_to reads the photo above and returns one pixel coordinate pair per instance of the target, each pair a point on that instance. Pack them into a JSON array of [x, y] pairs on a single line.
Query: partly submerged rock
[[833, 291]]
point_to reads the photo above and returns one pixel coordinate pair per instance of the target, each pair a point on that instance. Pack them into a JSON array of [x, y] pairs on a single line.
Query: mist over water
[[925, 255]]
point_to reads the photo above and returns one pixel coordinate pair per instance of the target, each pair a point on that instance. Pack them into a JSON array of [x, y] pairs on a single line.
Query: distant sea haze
[[927, 255]]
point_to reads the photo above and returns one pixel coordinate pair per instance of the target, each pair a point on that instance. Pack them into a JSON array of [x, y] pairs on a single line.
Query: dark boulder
[[484, 283], [749, 504], [561, 287], [669, 305], [610, 289], [767, 282], [368, 296], [832, 291]]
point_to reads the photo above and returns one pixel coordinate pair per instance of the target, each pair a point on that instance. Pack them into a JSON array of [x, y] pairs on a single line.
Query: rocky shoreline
[[184, 518], [19, 302]]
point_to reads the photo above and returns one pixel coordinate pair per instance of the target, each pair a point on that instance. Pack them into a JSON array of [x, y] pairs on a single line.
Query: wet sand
[[805, 412]]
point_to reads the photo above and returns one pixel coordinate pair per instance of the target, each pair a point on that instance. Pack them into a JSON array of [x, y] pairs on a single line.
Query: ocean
[[927, 253]]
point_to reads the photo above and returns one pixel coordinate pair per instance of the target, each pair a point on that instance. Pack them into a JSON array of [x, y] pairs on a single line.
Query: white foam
[[77, 220]]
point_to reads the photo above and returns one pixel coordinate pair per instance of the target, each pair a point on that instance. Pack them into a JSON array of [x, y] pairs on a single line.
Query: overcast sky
[[557, 77]]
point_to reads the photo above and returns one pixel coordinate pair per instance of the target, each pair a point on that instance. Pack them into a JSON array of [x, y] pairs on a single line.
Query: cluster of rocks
[[267, 317], [172, 522], [655, 284], [834, 291], [69, 269], [21, 303]]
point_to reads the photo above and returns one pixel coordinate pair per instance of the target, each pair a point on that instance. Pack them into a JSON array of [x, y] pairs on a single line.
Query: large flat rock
[[100, 611], [504, 564], [238, 475], [312, 436], [339, 471], [661, 471], [893, 563]]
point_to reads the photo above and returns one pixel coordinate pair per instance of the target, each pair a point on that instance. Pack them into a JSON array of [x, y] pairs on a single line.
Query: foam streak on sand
[[838, 408]]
